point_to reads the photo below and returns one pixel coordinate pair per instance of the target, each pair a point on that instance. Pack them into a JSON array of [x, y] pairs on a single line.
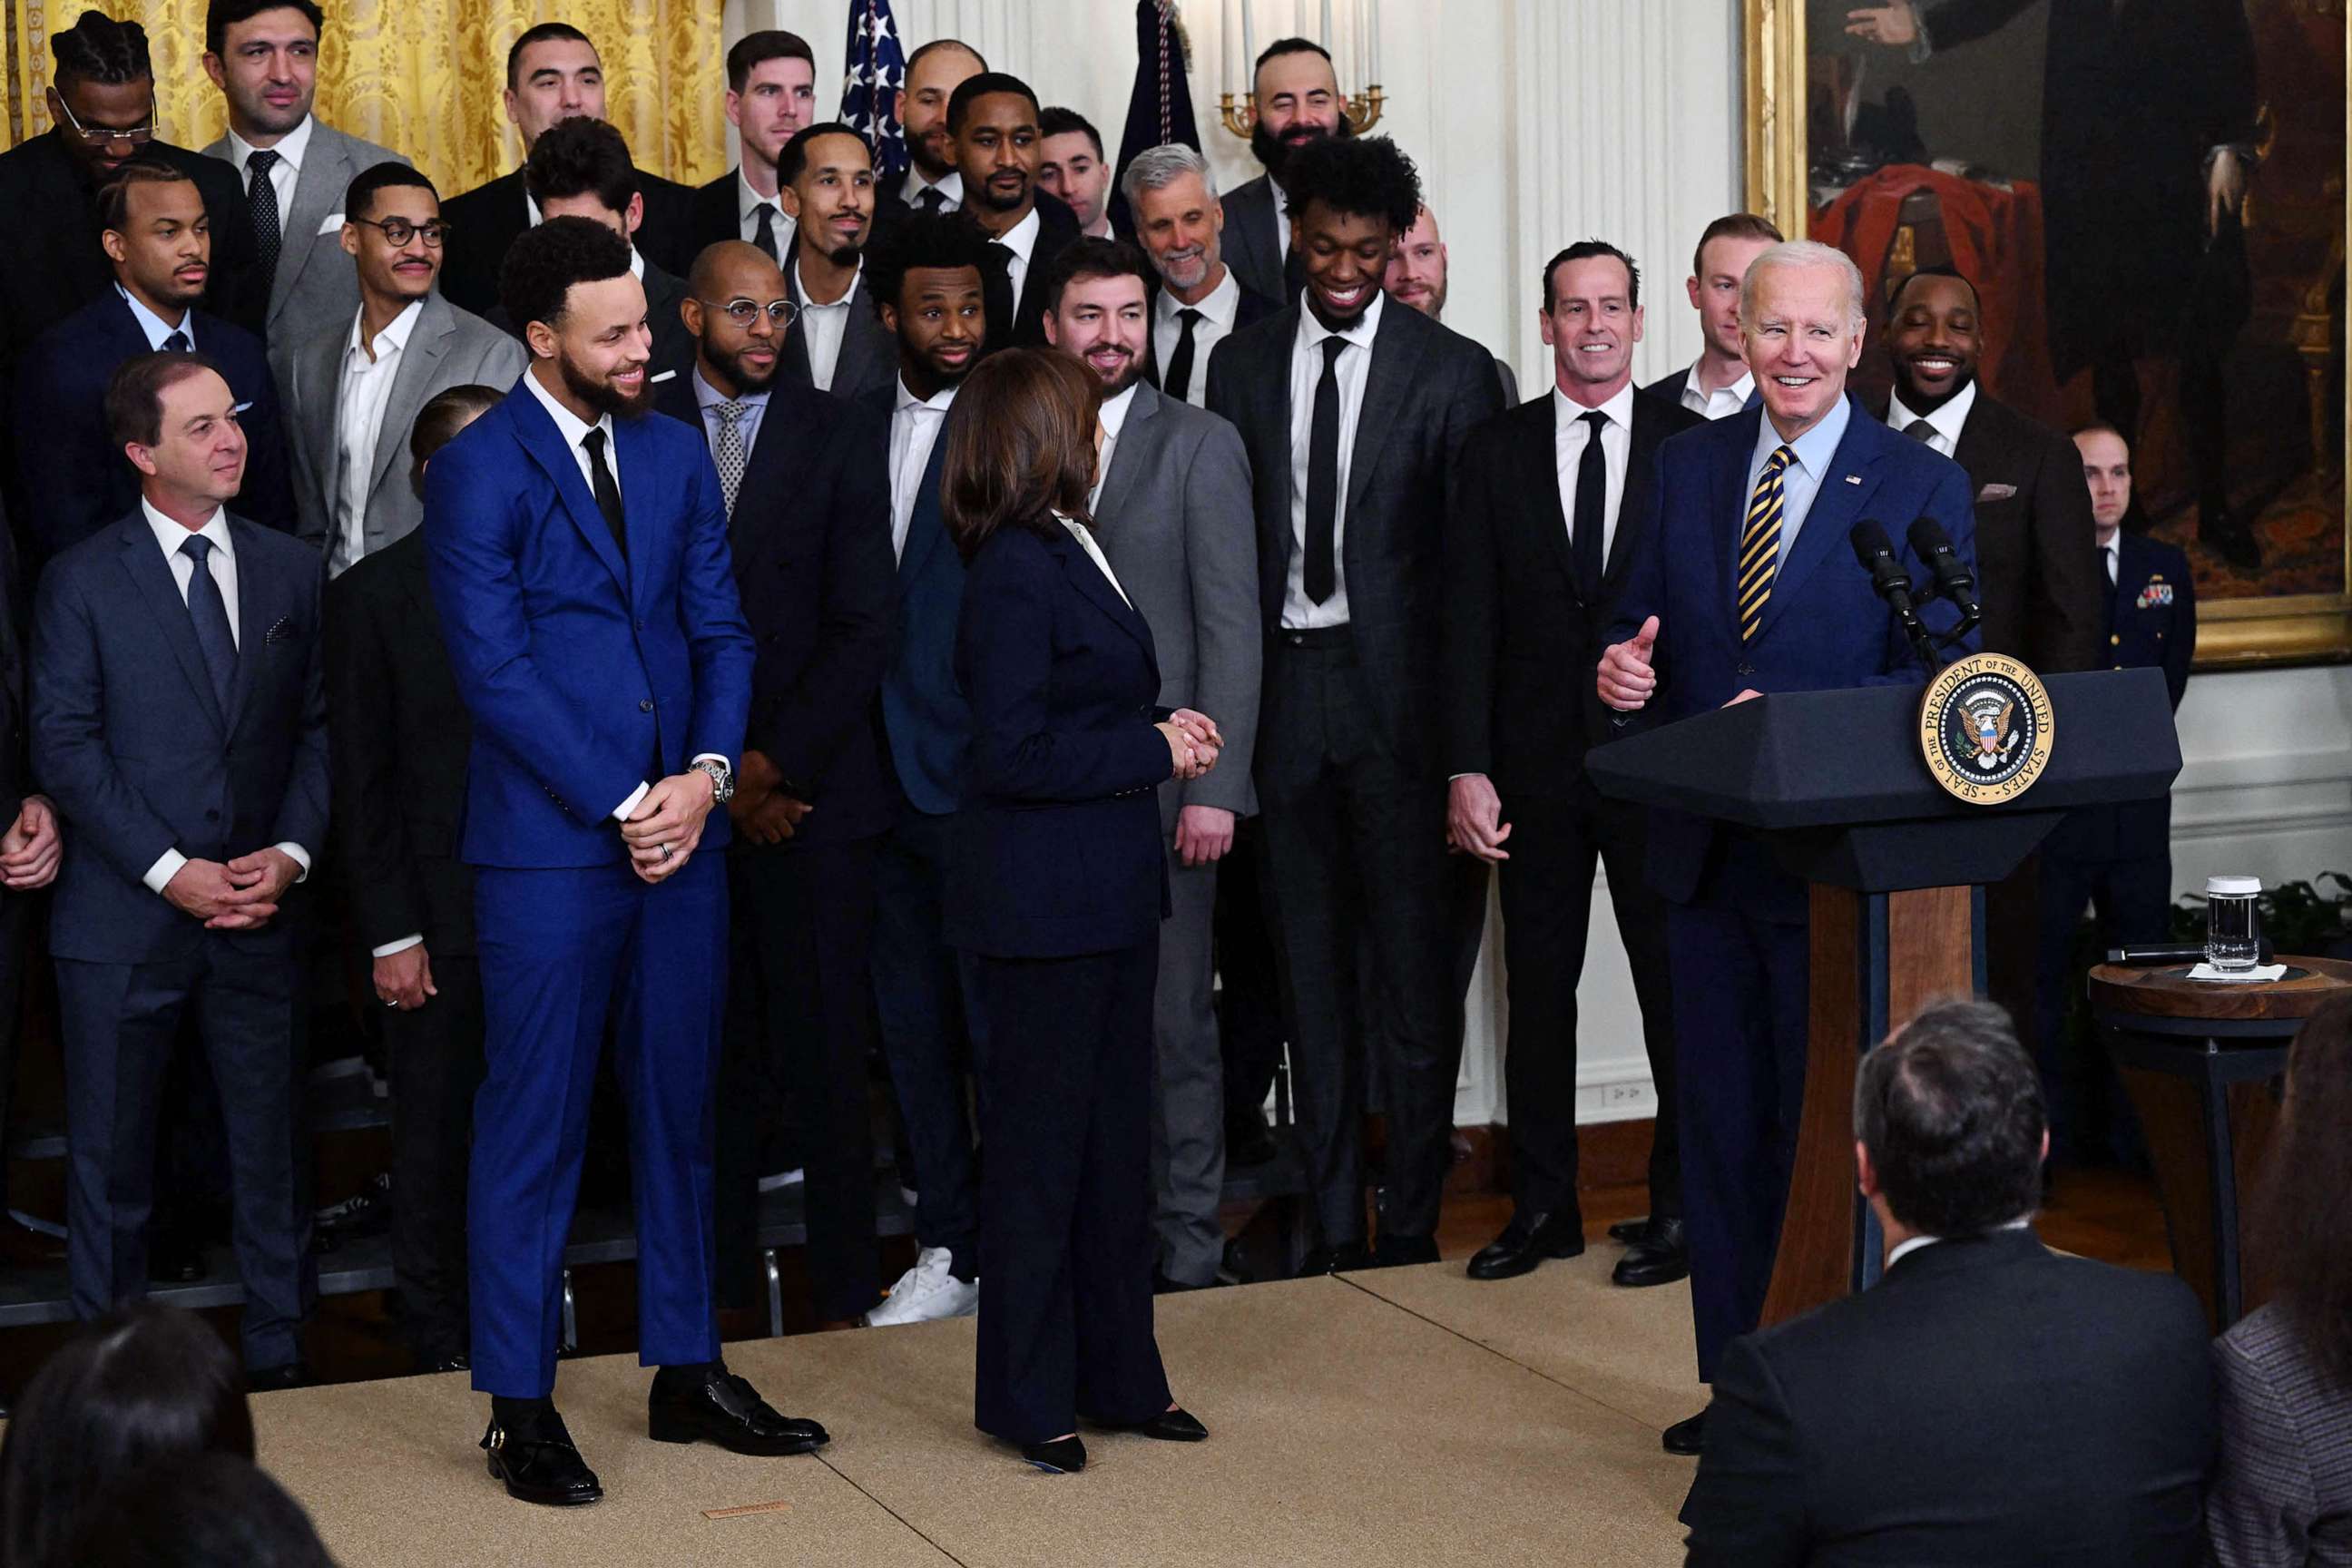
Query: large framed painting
[[2150, 198]]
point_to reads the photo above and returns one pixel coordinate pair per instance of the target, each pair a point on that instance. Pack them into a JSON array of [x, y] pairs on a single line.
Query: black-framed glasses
[[743, 312], [400, 231], [106, 135]]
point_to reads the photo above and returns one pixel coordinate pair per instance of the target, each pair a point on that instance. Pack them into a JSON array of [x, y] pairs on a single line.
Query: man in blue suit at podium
[[577, 551], [1748, 584]]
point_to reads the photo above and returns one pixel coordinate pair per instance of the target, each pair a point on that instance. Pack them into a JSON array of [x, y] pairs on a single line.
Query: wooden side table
[[2197, 1059]]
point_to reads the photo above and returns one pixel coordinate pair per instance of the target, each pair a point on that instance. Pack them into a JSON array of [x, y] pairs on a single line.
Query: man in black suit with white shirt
[[995, 121], [837, 343], [1198, 301], [771, 96], [1295, 95]]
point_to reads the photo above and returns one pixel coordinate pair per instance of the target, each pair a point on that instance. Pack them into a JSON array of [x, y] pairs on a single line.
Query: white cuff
[[403, 945], [166, 867], [299, 856], [628, 808]]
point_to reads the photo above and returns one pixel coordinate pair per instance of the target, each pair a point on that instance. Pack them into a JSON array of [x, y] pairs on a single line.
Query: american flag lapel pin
[[1853, 478]]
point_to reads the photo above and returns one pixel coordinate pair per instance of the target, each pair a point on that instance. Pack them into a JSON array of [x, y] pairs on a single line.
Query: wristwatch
[[722, 779]]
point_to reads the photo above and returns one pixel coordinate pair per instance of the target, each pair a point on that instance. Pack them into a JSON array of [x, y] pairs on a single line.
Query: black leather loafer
[[728, 1411], [1403, 1251], [1062, 1456], [1659, 1259], [1626, 1232], [1345, 1258], [1525, 1242], [1685, 1437], [543, 1468], [1177, 1426]]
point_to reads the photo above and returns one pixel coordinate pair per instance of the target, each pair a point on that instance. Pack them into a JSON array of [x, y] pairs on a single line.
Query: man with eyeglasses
[[264, 56], [353, 389], [805, 477]]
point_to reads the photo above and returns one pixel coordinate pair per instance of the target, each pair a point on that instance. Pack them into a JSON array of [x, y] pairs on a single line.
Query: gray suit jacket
[[449, 348], [1176, 524], [315, 285], [1252, 212]]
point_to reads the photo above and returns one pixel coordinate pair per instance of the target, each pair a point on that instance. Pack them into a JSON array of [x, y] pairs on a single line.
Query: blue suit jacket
[[924, 715], [1823, 626], [2150, 618], [586, 674], [72, 480], [130, 741], [1057, 849]]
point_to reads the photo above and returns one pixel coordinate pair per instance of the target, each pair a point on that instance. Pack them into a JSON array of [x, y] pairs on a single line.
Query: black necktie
[[931, 199], [209, 615], [608, 494], [1592, 500], [176, 344], [261, 196], [1323, 477], [766, 238], [1179, 382], [1921, 431]]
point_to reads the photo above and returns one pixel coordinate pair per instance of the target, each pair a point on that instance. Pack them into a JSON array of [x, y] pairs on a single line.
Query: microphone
[[1953, 578], [1876, 554]]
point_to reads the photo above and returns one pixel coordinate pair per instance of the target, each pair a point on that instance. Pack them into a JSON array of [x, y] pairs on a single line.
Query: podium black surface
[[1834, 784]]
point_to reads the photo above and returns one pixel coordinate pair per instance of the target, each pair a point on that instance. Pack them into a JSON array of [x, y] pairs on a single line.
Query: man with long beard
[[578, 556], [1296, 94]]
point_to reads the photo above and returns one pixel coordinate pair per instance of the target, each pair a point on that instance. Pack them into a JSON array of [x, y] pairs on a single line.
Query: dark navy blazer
[[2150, 618], [924, 716], [1057, 849]]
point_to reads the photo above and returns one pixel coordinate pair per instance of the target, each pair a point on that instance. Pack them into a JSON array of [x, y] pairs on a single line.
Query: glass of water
[[2234, 926]]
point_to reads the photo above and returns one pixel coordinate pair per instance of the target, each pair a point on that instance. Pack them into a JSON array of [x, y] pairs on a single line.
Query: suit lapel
[[255, 615], [924, 529], [544, 442], [1846, 487], [319, 187], [1729, 502], [151, 575], [325, 370], [1131, 453], [1633, 496], [646, 501], [1539, 454], [412, 381], [1397, 353], [1095, 587]]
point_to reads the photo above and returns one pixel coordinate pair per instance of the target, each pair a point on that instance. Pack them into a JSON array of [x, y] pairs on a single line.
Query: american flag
[[869, 94]]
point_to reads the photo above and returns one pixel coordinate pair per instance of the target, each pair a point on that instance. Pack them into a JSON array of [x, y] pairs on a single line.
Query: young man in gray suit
[[1173, 503], [264, 56], [352, 388]]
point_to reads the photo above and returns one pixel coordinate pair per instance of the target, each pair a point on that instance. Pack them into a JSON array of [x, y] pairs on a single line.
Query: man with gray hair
[[1746, 585], [1199, 301], [1989, 1400]]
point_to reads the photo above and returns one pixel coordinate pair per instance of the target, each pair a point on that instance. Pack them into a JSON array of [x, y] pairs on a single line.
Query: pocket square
[[1996, 492], [279, 630], [333, 223]]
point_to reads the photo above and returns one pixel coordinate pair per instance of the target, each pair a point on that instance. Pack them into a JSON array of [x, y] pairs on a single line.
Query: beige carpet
[[1406, 1417]]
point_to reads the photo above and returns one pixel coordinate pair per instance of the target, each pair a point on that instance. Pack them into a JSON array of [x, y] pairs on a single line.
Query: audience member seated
[[207, 1511], [2283, 1495], [1988, 1400], [146, 1384]]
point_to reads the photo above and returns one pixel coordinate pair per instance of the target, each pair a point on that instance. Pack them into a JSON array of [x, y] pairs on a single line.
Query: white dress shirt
[[1300, 613], [1085, 538], [1218, 310], [1802, 479], [2107, 555], [1570, 436], [1113, 415], [156, 328], [951, 189], [283, 174], [1945, 423], [1020, 239], [1724, 401], [823, 327], [358, 425], [914, 426], [170, 534], [748, 203]]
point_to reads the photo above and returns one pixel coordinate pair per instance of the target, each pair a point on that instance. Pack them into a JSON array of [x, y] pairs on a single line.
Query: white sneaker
[[926, 1293]]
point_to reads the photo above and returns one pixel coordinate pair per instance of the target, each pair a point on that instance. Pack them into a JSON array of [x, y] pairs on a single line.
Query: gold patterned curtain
[[424, 77]]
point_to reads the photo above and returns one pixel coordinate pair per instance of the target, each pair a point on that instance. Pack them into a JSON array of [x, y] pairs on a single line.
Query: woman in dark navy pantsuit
[[1057, 883]]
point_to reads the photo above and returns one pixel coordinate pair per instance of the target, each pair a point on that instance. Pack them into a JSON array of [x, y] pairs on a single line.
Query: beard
[[1923, 403], [845, 255], [602, 396], [1274, 152], [1186, 271], [743, 375]]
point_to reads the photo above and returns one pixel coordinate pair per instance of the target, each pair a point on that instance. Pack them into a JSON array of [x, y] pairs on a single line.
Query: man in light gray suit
[[264, 56], [354, 388], [1173, 503]]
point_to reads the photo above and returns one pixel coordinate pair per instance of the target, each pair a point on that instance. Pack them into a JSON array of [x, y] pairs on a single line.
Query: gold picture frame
[[2236, 633]]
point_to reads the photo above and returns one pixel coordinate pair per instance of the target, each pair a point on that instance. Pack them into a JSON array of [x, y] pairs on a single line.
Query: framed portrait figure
[[2149, 196]]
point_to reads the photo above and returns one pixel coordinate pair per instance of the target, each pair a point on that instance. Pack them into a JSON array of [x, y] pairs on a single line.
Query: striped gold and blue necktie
[[1759, 543]]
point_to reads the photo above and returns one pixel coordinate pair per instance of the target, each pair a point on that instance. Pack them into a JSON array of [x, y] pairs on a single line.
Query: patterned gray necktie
[[261, 199], [729, 451]]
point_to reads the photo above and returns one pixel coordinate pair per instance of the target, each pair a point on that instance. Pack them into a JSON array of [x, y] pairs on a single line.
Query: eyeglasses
[[106, 135], [743, 312], [400, 231]]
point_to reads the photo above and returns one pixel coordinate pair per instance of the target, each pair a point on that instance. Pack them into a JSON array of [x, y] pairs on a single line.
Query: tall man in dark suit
[[933, 183], [1989, 1400], [928, 279], [839, 345], [771, 98], [264, 56], [994, 118], [1295, 95], [1354, 414], [180, 718], [158, 236], [1553, 509], [577, 552], [1197, 301], [1747, 585], [806, 481], [553, 74], [2117, 859], [1173, 510], [1718, 384]]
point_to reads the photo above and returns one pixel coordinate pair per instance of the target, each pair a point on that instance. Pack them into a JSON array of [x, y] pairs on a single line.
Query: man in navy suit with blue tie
[[1748, 586], [578, 555]]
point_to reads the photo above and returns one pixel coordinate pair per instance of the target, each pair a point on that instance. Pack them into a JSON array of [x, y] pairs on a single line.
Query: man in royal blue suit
[[578, 555], [1748, 586]]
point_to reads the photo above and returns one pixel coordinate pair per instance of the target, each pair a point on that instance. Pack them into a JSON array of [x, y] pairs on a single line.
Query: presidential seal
[[1986, 729]]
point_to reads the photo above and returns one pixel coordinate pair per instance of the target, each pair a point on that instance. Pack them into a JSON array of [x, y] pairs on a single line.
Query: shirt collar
[[1618, 410], [1945, 420], [1917, 1243], [1113, 412], [290, 147], [1359, 332], [1220, 305], [1815, 448], [707, 396], [636, 262], [949, 185], [171, 533], [154, 326], [800, 290], [1022, 238], [937, 401], [1743, 389], [395, 332], [749, 201], [568, 424]]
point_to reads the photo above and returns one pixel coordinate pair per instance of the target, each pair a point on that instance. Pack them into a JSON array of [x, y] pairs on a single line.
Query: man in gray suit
[[1173, 503], [264, 56], [352, 388]]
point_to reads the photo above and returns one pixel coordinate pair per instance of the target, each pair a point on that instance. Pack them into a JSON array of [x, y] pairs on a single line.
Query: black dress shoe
[[1626, 1232], [728, 1411], [1062, 1456], [1403, 1251], [293, 1374], [1345, 1258], [1526, 1242], [1163, 1286], [1178, 1425], [1661, 1259], [1248, 1139], [542, 1466], [456, 1361], [364, 1212], [1686, 1436]]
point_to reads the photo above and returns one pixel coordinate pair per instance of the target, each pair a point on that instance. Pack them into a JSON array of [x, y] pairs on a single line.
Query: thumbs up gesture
[[1626, 678]]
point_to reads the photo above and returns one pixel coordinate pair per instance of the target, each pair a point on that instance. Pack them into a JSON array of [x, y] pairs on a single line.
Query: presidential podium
[[1836, 785]]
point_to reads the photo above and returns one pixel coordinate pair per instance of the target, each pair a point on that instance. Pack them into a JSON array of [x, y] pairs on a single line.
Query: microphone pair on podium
[[1952, 581]]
